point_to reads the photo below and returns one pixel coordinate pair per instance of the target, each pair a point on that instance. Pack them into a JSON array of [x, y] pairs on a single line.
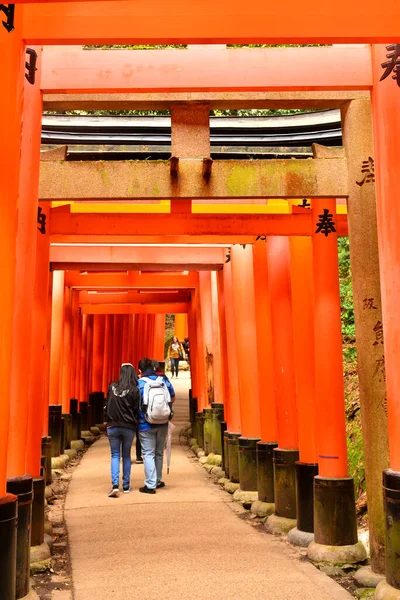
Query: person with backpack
[[157, 396], [122, 415]]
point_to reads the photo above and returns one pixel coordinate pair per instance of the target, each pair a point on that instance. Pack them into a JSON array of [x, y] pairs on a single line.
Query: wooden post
[[363, 236], [98, 352], [57, 333], [66, 361], [386, 120]]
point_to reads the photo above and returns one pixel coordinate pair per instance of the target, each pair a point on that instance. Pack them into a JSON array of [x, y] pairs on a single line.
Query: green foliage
[[346, 298], [169, 332]]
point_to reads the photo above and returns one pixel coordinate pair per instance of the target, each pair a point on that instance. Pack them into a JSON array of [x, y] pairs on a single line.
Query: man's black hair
[[146, 364]]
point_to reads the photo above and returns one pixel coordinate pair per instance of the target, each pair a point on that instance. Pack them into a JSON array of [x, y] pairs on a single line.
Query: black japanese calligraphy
[[378, 330], [41, 221], [393, 64], [368, 170], [368, 304], [326, 224]]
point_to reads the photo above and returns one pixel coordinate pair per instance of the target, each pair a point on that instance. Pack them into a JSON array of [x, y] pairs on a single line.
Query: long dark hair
[[128, 379]]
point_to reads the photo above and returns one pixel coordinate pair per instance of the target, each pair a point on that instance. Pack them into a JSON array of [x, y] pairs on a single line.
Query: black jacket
[[122, 410]]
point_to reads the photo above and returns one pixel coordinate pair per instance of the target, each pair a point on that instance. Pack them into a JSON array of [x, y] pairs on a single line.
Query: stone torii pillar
[[246, 349], [386, 120], [335, 520]]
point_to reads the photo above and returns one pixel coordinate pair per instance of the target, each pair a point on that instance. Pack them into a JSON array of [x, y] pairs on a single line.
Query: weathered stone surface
[[48, 492], [337, 555], [71, 453], [332, 570], [95, 431], [223, 481], [279, 525], [208, 467], [365, 593], [49, 541], [31, 595], [367, 578], [77, 445], [245, 497], [200, 453], [58, 462], [262, 509], [384, 591], [231, 487], [300, 538], [48, 528], [195, 448], [192, 442], [215, 459], [40, 559], [203, 460], [217, 472]]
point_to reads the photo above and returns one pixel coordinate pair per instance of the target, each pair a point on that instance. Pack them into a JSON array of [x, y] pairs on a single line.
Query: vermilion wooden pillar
[[75, 320], [83, 391], [106, 361], [124, 338], [207, 330], [181, 326], [334, 506], [192, 333], [233, 415], [77, 357], [57, 332], [159, 335], [200, 353], [223, 340], [246, 347], [301, 271], [89, 353], [286, 454], [218, 376], [98, 352], [67, 341], [268, 418], [386, 121]]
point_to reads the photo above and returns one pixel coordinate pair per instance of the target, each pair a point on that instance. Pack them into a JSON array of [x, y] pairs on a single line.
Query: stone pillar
[[246, 336], [335, 520], [386, 121], [286, 454], [363, 236]]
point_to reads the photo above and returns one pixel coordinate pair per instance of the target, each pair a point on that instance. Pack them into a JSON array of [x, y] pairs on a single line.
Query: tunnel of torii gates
[[246, 249]]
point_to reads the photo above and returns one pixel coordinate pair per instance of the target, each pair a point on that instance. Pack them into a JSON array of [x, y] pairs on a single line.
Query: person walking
[[175, 354], [157, 395], [186, 347], [122, 415]]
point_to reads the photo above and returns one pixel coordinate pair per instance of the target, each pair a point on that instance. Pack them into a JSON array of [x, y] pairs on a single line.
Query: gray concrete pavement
[[184, 542]]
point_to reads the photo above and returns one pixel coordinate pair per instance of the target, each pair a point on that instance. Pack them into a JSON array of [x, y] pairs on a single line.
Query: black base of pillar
[[217, 416], [67, 430], [233, 456], [391, 498], [192, 414], [8, 545], [207, 430], [200, 429], [37, 529], [225, 456], [223, 450], [55, 411], [248, 464], [305, 473], [47, 452], [62, 439], [285, 482], [265, 471], [22, 487], [83, 409], [335, 521], [96, 401], [76, 419]]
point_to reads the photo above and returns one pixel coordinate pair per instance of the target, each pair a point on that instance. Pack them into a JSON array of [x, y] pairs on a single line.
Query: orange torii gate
[[116, 22]]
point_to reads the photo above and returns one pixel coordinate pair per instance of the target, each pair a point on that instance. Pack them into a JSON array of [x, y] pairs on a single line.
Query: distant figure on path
[[157, 396], [175, 354], [122, 414], [186, 347]]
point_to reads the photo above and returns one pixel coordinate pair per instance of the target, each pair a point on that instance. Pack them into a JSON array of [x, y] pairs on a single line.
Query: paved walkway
[[185, 542]]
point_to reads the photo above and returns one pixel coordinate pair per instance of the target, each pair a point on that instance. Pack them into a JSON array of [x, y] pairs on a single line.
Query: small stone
[[192, 442], [195, 448], [279, 525], [332, 570], [203, 460], [49, 541], [200, 453], [58, 462], [262, 509], [365, 593], [231, 487], [223, 481], [95, 431], [337, 555], [77, 445], [217, 472], [208, 467], [40, 567], [300, 538], [245, 498], [384, 591], [367, 578], [48, 528], [48, 492], [71, 453]]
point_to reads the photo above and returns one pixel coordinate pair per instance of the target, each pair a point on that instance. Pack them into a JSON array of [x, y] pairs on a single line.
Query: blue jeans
[[153, 442], [121, 438], [175, 366]]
